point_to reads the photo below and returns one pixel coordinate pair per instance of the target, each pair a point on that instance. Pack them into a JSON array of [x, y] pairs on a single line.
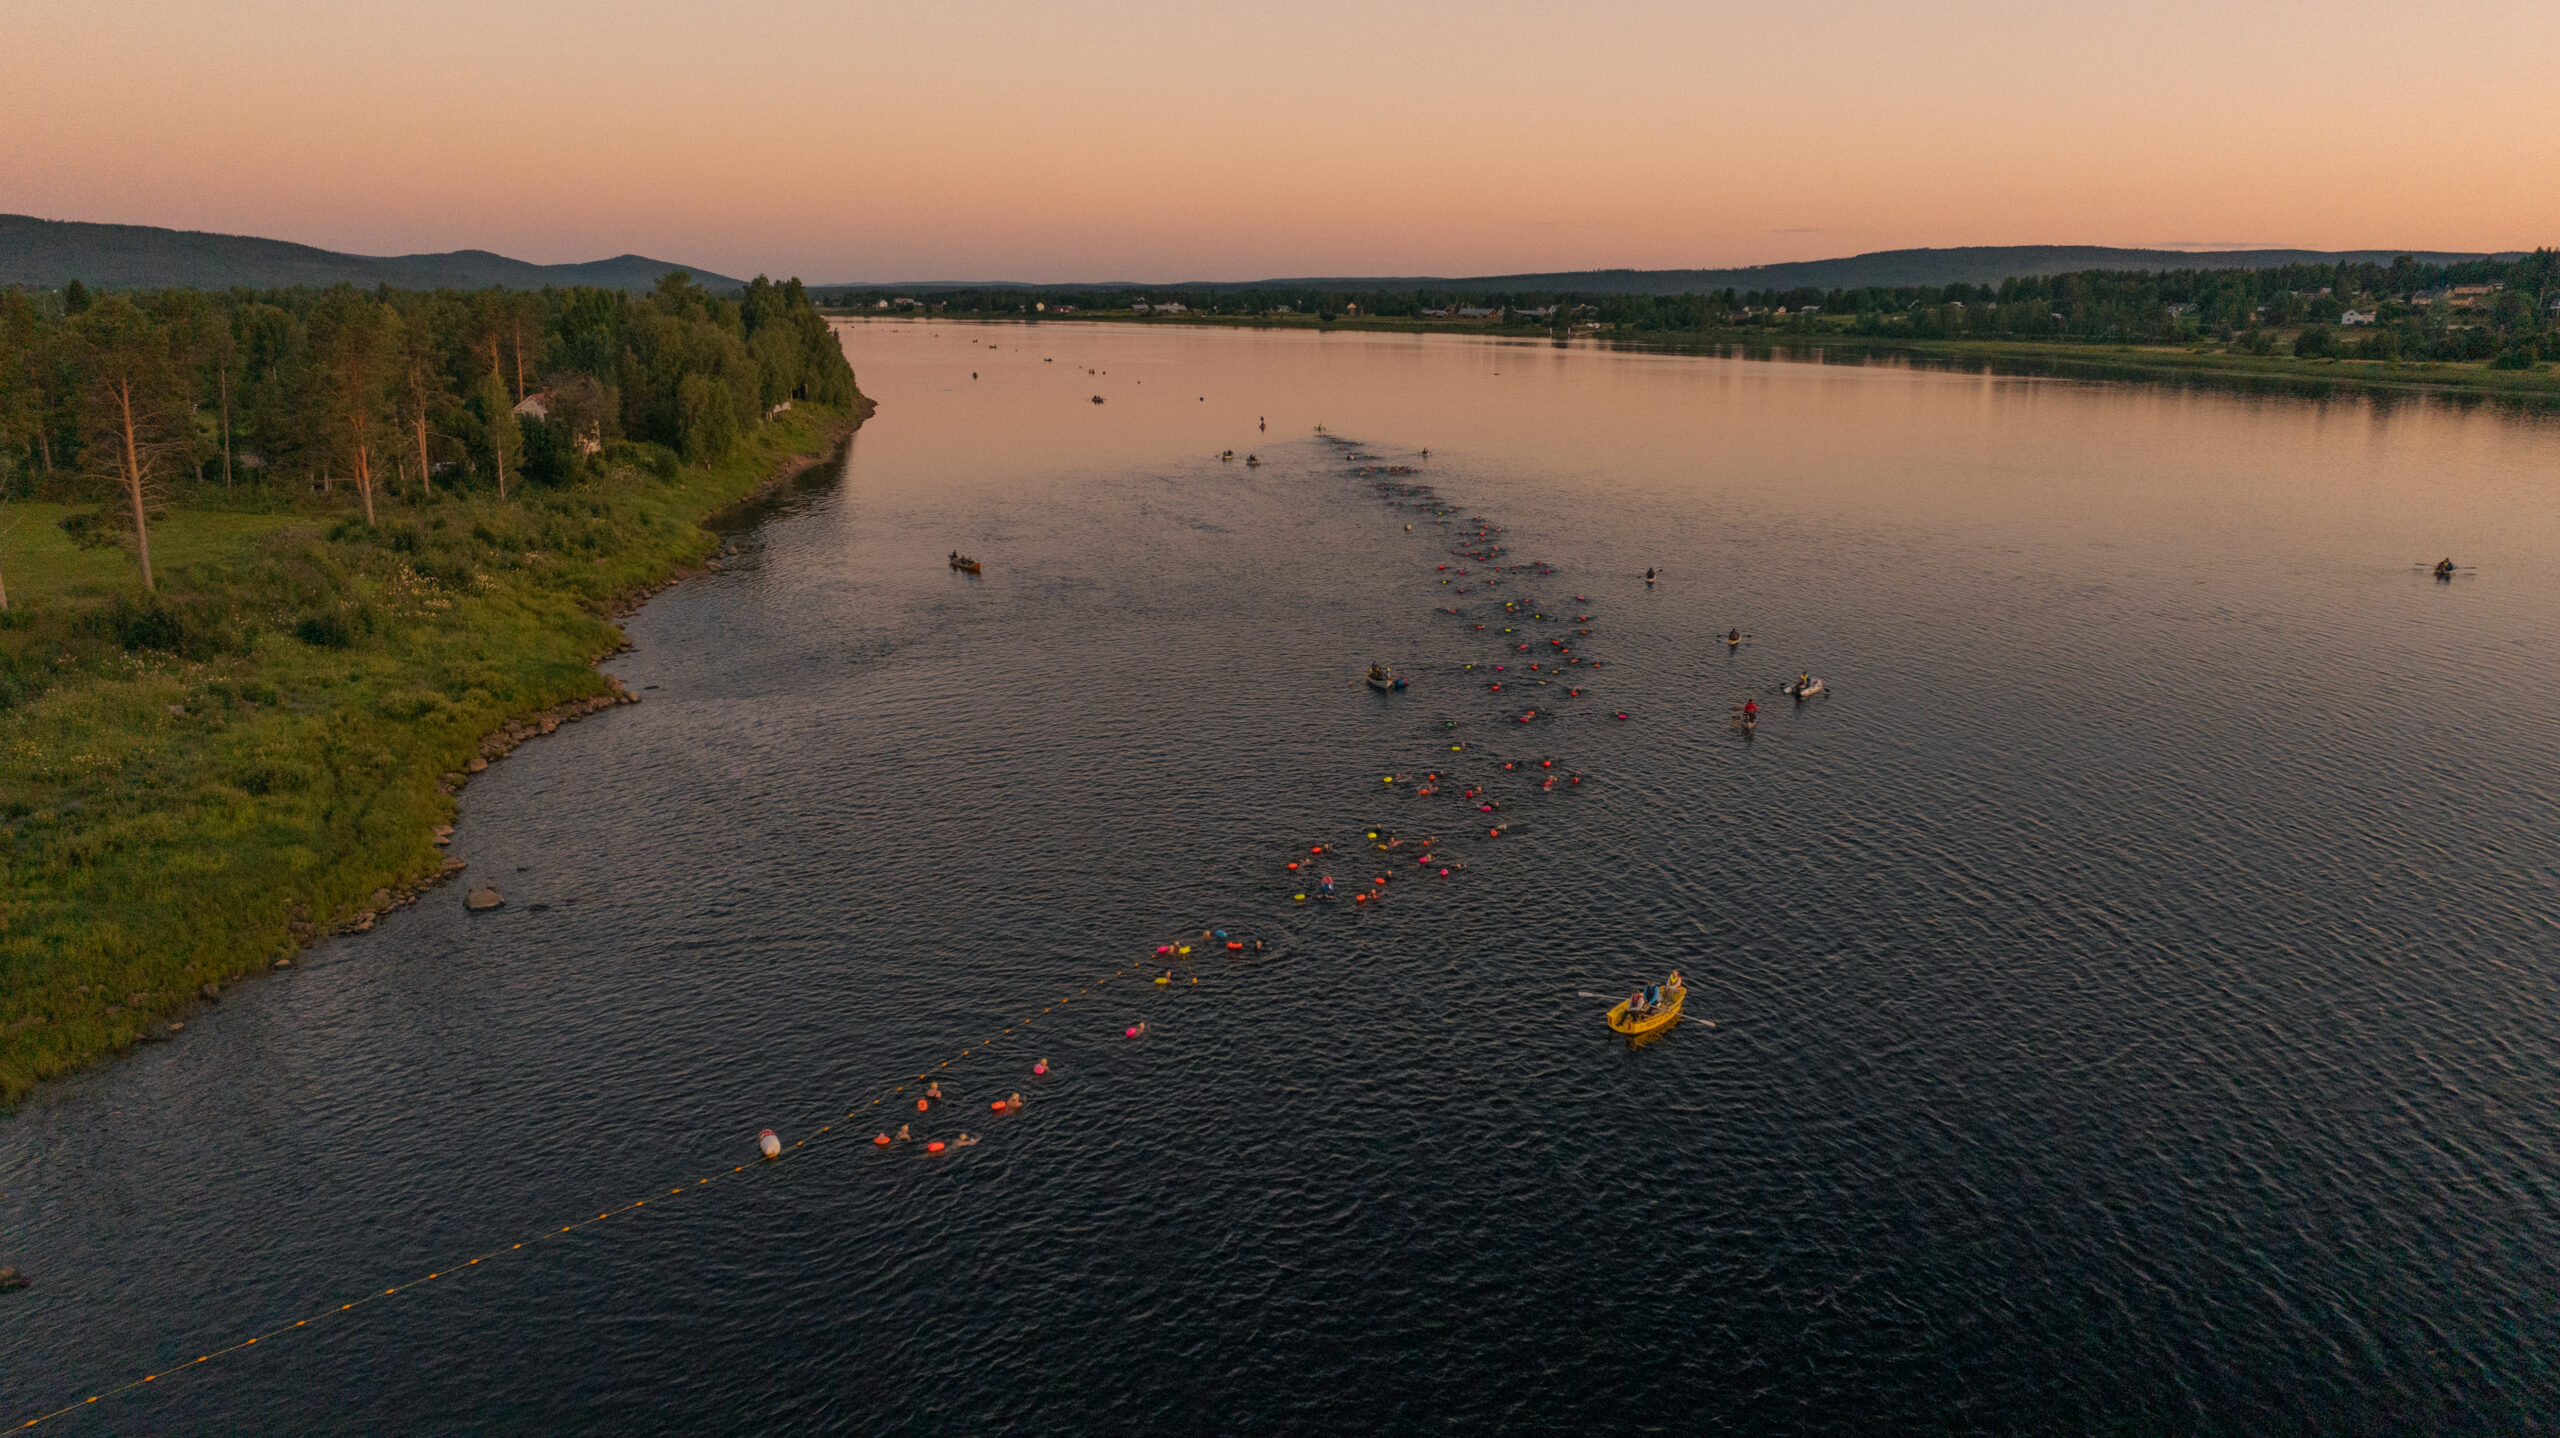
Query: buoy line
[[461, 1266], [1382, 838]]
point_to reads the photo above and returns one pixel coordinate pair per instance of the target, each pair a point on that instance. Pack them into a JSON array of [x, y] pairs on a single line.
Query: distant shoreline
[[2149, 363]]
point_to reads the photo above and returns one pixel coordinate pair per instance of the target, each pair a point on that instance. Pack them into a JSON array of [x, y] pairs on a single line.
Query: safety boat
[[1805, 688], [1661, 1008], [1382, 680], [963, 563]]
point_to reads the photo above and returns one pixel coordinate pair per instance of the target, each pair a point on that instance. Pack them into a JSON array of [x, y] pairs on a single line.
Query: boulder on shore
[[483, 898]]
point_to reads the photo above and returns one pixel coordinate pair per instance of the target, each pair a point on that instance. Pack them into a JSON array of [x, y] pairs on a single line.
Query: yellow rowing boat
[[1635, 1025]]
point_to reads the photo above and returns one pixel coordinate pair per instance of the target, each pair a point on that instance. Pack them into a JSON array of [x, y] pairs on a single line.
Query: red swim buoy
[[1235, 945], [920, 1105], [881, 1142], [934, 1147], [998, 1105]]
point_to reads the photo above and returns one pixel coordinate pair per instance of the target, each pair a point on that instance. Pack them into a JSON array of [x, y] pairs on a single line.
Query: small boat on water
[[1650, 1009], [963, 563], [1805, 688], [1382, 680]]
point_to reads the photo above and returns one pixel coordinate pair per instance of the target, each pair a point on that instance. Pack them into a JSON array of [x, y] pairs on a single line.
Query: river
[[2123, 1001]]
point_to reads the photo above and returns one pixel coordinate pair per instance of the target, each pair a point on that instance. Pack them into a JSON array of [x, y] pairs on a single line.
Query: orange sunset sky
[[1149, 140]]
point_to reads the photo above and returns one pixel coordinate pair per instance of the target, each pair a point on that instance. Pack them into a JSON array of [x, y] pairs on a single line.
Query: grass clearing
[[193, 785]]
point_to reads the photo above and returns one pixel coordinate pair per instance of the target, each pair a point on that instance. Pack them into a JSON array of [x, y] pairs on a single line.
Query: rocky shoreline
[[307, 930]]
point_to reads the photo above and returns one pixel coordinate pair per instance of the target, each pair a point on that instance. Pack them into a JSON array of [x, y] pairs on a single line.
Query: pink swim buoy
[[1041, 1067], [1129, 1033], [768, 1145]]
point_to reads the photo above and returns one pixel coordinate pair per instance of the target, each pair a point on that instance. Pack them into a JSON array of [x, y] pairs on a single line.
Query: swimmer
[[963, 1141], [1013, 1102], [1040, 1068], [933, 1090], [903, 1135]]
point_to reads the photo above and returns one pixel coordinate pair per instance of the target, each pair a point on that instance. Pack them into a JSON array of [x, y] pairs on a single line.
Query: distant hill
[[47, 254], [1972, 265]]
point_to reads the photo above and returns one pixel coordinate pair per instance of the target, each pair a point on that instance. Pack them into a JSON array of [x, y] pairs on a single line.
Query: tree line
[[2414, 312], [176, 396]]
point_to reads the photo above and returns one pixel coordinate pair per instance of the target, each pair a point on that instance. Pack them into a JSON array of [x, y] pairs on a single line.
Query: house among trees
[[2355, 317]]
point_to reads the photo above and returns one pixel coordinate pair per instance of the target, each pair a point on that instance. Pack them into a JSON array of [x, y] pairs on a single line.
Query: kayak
[[1661, 1017]]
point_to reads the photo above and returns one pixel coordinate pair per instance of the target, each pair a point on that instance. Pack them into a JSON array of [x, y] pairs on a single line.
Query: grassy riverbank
[[194, 784], [2201, 363]]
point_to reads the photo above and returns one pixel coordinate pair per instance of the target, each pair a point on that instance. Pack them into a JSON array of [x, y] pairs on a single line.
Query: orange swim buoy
[[1235, 945], [920, 1105], [881, 1142], [934, 1147], [998, 1105]]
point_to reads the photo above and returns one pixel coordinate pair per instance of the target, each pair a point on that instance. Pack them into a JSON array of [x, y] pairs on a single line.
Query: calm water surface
[[2131, 988]]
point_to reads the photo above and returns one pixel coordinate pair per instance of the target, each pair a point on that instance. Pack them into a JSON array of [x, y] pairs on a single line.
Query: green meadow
[[196, 782]]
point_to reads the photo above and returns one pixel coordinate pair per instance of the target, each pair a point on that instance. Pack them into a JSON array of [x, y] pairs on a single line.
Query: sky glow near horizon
[[1146, 140]]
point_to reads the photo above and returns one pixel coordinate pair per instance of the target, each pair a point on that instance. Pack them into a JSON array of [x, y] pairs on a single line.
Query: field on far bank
[[195, 784]]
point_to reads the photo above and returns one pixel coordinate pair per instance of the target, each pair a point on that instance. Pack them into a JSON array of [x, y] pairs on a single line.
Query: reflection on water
[[2119, 999]]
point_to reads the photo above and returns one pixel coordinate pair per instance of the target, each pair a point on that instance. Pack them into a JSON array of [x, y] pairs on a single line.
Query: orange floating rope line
[[495, 1252]]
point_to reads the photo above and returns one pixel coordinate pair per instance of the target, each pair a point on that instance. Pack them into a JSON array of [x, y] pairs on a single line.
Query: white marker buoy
[[768, 1145]]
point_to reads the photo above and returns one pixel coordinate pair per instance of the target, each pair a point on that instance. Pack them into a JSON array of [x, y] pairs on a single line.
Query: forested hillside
[[49, 254]]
